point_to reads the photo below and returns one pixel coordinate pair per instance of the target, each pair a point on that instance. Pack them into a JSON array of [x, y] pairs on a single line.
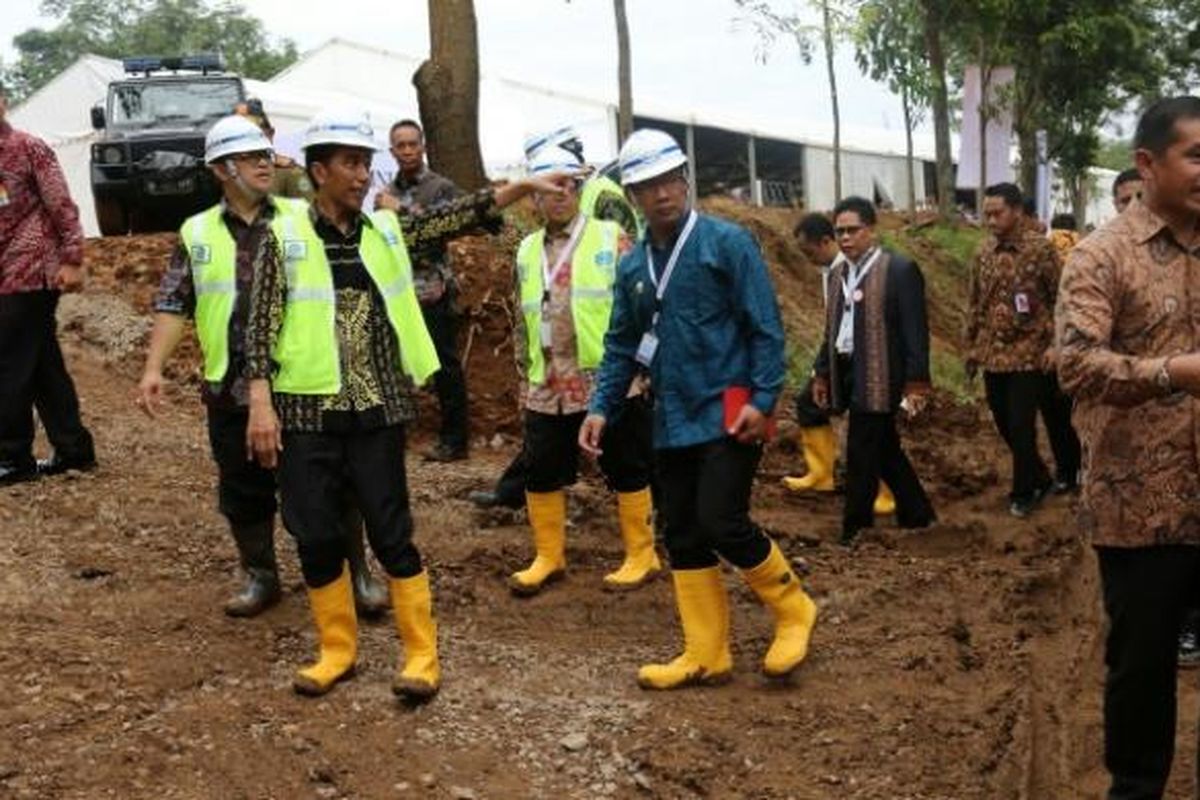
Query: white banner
[[999, 129]]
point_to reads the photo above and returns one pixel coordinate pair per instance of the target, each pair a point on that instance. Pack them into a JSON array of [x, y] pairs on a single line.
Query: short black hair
[[406, 123], [1063, 222], [1010, 193], [813, 228], [859, 205], [1156, 129], [1125, 176], [318, 154]]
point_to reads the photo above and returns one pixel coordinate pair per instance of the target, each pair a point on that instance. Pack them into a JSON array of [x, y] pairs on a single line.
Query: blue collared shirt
[[719, 327]]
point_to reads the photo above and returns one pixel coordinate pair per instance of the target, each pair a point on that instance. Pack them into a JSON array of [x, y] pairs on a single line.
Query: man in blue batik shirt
[[694, 307]]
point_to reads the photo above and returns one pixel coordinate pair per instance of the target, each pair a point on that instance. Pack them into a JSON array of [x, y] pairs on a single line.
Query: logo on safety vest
[[201, 254], [604, 258], [391, 238], [295, 249]]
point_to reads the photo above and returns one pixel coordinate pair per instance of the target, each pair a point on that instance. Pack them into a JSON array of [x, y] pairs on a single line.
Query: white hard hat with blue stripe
[[554, 161], [647, 154], [232, 135], [535, 143], [345, 128]]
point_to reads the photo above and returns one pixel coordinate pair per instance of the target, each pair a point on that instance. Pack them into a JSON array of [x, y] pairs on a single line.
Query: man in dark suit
[[873, 363]]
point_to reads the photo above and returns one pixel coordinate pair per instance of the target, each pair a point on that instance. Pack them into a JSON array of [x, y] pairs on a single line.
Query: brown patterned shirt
[[567, 387], [1010, 313], [1130, 298]]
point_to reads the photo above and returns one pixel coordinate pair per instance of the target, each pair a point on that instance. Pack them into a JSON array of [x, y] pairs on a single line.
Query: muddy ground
[[958, 663]]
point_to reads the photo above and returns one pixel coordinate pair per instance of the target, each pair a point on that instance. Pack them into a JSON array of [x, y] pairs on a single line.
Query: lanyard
[[850, 285], [660, 285], [564, 255]]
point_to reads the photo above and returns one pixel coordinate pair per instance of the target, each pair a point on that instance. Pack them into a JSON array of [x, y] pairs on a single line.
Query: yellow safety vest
[[595, 187], [307, 351], [593, 273], [213, 256]]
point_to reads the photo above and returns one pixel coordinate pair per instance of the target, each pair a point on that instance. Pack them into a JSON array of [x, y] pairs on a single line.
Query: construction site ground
[[959, 663]]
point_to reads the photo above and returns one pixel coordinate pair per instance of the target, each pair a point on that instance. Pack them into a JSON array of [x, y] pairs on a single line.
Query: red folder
[[736, 397]]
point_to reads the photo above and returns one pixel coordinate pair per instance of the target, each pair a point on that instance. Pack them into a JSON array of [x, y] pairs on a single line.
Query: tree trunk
[[448, 93], [941, 109], [833, 95], [985, 81], [1079, 199], [624, 75], [908, 149]]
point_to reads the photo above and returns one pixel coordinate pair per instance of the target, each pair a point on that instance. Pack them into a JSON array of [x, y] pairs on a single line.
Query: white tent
[[349, 75]]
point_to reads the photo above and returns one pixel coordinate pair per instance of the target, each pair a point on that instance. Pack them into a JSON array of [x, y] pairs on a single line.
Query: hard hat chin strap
[[236, 177]]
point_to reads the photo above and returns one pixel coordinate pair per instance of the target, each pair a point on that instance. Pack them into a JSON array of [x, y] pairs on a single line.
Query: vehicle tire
[[111, 216]]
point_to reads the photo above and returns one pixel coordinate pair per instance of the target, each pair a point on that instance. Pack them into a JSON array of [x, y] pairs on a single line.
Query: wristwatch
[[1163, 378]]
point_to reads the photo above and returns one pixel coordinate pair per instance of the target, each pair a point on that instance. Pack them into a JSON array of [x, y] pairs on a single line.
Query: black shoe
[[1065, 487], [484, 499], [1189, 650], [445, 453], [56, 464], [17, 472], [1024, 506]]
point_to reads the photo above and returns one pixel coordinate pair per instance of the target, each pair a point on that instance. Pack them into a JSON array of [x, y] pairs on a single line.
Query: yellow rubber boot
[[641, 563], [412, 606], [337, 630], [548, 518], [819, 455], [885, 501], [704, 615], [795, 613]]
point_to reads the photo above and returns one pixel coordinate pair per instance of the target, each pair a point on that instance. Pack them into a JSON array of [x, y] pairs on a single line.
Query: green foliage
[[1114, 154], [890, 47], [958, 241], [119, 28]]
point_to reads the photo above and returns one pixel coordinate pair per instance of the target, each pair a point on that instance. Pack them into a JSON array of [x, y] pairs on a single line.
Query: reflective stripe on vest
[[593, 273], [213, 257], [599, 185], [307, 350]]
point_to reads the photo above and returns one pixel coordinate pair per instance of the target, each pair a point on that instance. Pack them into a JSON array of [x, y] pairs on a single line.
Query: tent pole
[[752, 158], [691, 151]]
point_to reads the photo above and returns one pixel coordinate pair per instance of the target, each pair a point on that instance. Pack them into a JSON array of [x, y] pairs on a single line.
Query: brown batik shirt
[[1010, 313], [567, 387], [1129, 300]]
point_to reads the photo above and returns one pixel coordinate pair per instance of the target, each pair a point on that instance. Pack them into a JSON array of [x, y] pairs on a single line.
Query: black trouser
[[808, 414], [705, 496], [1014, 398], [32, 373], [1064, 442], [441, 319], [317, 471], [245, 491], [510, 488], [552, 444], [1147, 591], [873, 451]]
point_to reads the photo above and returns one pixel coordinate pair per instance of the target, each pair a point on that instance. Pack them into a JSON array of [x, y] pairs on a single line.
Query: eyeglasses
[[848, 230], [256, 156]]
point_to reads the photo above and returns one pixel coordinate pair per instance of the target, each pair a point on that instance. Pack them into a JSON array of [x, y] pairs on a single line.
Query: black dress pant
[[1014, 399], [552, 445], [873, 451], [441, 319], [245, 490], [319, 471], [510, 488], [1147, 591], [808, 414], [1056, 408], [704, 493], [32, 373]]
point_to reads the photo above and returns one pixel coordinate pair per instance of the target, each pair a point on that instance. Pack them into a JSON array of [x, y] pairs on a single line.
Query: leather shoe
[[260, 593], [16, 472], [56, 464], [446, 453]]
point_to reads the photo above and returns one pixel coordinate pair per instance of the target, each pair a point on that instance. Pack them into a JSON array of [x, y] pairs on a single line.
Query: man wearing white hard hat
[[335, 344], [209, 279], [565, 274], [600, 198], [694, 307]]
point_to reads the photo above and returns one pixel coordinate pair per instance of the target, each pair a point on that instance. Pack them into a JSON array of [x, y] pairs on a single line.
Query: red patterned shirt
[[39, 222]]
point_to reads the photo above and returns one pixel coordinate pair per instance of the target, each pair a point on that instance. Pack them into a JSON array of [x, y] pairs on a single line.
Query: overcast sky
[[687, 54]]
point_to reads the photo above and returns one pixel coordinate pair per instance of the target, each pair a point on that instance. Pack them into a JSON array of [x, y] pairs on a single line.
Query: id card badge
[[1021, 302], [546, 331], [647, 347], [845, 337]]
